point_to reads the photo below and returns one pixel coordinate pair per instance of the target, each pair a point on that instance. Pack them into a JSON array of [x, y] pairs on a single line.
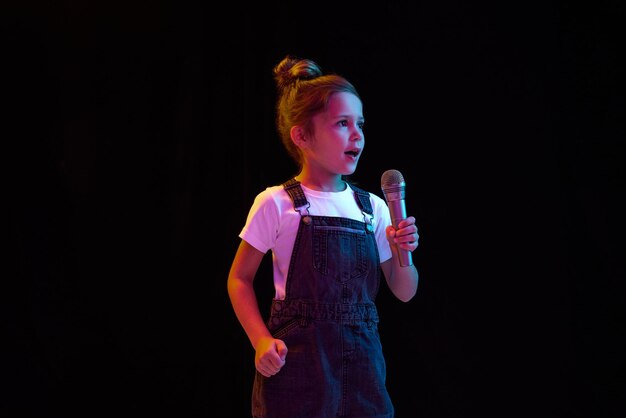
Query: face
[[338, 138]]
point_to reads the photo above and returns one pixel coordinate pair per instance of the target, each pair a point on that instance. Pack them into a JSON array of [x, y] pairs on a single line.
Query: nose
[[357, 134]]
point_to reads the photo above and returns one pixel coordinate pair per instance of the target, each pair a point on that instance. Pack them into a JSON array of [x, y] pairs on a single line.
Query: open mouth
[[353, 153]]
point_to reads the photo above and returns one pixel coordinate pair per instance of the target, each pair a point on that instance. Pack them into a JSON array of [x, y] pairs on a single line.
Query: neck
[[331, 184]]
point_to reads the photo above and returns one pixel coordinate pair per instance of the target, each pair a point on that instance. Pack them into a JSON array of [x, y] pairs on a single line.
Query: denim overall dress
[[335, 366]]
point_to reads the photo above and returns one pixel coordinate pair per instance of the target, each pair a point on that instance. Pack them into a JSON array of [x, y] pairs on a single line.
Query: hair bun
[[292, 69]]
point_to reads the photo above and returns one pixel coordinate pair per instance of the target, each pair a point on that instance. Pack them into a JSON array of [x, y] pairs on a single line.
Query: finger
[[282, 350], [267, 372]]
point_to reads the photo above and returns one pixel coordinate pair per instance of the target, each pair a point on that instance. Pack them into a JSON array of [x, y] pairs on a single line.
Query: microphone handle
[[397, 210]]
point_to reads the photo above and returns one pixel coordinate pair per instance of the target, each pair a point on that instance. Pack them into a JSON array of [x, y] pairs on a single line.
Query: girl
[[319, 354]]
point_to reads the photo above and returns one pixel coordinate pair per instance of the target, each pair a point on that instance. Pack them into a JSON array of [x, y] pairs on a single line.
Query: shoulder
[[273, 198], [272, 194]]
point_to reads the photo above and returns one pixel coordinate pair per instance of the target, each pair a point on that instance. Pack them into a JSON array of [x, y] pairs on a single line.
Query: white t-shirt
[[272, 223]]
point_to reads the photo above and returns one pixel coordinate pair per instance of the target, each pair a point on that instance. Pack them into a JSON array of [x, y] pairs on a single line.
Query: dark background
[[138, 134]]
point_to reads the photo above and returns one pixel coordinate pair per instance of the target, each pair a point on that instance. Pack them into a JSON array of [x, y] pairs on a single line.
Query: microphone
[[392, 184]]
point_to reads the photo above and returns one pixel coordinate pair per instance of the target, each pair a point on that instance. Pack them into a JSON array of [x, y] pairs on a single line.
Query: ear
[[298, 136]]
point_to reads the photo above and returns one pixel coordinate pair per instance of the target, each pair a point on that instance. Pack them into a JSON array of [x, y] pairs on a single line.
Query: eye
[[361, 125], [343, 123]]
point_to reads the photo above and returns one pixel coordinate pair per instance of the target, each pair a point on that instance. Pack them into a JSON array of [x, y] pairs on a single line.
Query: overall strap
[[296, 193], [292, 187], [363, 199]]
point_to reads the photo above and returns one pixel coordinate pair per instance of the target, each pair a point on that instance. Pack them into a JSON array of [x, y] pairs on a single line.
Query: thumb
[[281, 349]]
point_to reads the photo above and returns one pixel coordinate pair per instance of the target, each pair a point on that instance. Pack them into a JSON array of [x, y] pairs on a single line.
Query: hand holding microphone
[[393, 187]]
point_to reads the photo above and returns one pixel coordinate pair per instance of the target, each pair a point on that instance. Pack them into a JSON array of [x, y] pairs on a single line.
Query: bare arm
[[401, 280], [270, 352]]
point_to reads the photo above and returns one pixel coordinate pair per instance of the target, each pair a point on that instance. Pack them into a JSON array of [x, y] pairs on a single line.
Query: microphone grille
[[391, 178]]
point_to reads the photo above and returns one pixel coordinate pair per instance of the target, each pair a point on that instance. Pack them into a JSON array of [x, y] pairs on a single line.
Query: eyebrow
[[347, 116]]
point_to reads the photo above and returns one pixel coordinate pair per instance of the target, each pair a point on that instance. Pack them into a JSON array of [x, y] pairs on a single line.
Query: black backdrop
[[137, 136]]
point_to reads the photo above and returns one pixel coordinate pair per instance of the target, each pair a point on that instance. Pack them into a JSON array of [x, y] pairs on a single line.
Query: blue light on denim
[[335, 366]]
